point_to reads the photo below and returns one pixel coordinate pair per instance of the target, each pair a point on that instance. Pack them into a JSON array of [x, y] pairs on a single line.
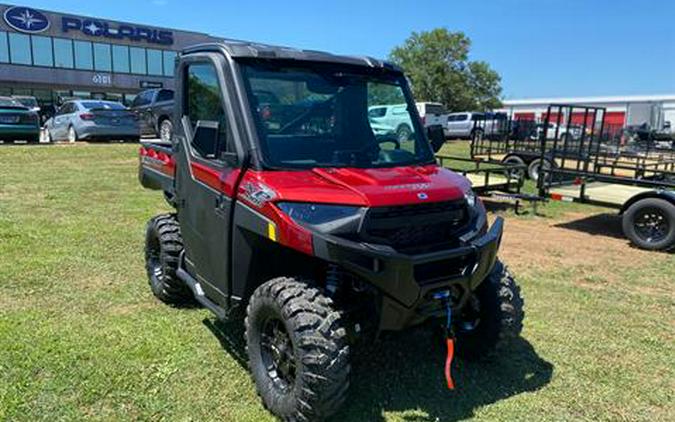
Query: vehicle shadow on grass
[[404, 372], [230, 334], [607, 225]]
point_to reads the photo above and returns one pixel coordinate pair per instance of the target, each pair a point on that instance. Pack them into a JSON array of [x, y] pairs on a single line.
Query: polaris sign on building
[[97, 28], [54, 56], [26, 20]]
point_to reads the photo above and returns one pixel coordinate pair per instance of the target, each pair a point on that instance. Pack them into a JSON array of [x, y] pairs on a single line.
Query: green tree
[[438, 66]]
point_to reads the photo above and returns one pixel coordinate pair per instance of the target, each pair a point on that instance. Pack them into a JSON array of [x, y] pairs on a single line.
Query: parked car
[[570, 132], [18, 122], [432, 114], [28, 101], [153, 108], [465, 124], [92, 120], [393, 118]]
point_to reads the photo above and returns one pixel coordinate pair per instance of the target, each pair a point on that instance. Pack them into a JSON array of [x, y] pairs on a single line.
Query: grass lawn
[[82, 337]]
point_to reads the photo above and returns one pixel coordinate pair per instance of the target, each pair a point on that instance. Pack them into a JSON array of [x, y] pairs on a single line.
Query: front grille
[[415, 228]]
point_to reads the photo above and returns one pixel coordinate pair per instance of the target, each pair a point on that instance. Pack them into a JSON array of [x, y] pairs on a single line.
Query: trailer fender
[[661, 194]]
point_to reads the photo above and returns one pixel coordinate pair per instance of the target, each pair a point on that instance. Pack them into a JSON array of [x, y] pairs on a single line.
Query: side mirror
[[205, 138], [436, 137]]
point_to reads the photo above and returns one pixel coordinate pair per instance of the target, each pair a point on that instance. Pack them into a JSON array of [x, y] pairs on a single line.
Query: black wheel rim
[[470, 317], [154, 261], [651, 224], [278, 354]]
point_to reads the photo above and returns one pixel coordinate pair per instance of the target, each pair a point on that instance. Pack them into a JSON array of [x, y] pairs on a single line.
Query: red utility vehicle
[[325, 226]]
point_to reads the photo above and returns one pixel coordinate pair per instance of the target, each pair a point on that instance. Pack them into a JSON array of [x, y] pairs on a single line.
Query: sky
[[541, 48]]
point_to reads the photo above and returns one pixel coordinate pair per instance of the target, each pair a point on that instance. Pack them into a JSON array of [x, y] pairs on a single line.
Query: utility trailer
[[603, 169], [563, 131], [495, 179], [485, 176]]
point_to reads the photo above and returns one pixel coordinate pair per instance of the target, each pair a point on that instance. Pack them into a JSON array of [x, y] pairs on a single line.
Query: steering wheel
[[306, 115]]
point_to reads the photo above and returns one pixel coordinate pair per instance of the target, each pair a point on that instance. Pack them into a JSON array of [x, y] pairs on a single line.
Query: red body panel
[[158, 160], [347, 186], [377, 187], [365, 187], [222, 181]]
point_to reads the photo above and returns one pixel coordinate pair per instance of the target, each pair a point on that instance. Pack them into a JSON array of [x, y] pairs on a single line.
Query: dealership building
[[653, 110], [54, 56]]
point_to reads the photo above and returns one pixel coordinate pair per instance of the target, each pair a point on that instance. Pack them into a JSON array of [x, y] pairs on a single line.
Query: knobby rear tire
[[163, 245]]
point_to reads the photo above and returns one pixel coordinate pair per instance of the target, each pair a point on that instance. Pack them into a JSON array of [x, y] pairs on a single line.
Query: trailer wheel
[[516, 174], [163, 245], [297, 349], [650, 224], [403, 133], [165, 130], [534, 169], [493, 316]]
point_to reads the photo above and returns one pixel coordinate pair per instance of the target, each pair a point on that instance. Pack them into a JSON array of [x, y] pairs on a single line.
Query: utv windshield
[[333, 116]]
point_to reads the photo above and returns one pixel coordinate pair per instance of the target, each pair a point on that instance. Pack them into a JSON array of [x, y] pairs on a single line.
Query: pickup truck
[[293, 208], [154, 108]]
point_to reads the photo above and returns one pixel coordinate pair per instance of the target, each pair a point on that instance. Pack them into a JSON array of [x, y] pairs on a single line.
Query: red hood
[[366, 187]]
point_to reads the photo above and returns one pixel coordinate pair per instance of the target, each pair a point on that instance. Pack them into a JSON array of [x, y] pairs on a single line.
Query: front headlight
[[333, 219], [470, 198]]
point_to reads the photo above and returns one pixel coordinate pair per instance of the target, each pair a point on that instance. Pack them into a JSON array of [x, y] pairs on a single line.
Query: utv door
[[204, 179]]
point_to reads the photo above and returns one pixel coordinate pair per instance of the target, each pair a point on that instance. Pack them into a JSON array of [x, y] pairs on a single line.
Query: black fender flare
[[656, 193]]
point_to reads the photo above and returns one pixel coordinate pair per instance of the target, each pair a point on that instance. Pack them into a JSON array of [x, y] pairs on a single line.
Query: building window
[[138, 64], [120, 55], [42, 51], [19, 48], [63, 53], [154, 62], [4, 51], [85, 95], [102, 57], [83, 56], [169, 57]]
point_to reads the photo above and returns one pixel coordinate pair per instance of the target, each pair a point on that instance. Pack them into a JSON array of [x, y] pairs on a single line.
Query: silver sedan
[[92, 120]]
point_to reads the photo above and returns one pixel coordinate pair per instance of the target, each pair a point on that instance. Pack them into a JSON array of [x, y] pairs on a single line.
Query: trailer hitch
[[444, 297]]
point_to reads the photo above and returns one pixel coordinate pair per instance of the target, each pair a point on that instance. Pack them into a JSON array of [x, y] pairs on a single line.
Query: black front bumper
[[408, 282]]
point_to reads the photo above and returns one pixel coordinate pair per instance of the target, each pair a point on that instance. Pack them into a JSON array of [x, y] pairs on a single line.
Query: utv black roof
[[237, 49]]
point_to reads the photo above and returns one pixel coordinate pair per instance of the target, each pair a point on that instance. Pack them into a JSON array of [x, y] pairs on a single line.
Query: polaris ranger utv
[[291, 204]]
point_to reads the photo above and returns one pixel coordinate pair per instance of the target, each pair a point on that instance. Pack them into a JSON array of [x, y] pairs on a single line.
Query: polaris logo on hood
[[25, 19], [96, 28]]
